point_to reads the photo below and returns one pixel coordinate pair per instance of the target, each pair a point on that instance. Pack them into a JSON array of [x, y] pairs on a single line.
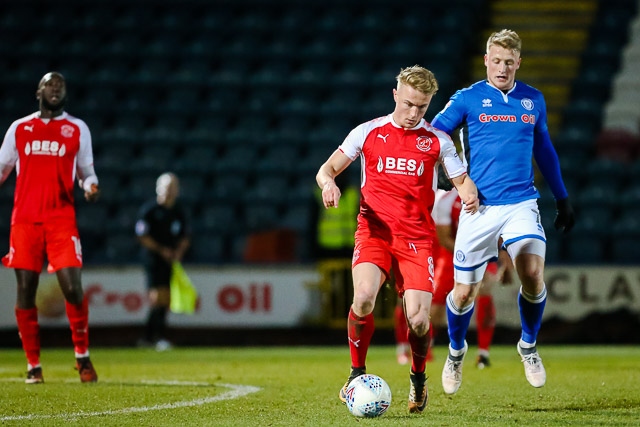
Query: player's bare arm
[[468, 192], [5, 170], [325, 178]]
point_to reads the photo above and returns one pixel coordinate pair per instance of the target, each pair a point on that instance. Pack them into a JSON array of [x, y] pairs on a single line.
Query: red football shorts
[[412, 263], [443, 277], [492, 267], [29, 243]]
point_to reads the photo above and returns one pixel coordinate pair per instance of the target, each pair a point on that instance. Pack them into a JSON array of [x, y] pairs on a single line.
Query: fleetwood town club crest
[[423, 143], [66, 131]]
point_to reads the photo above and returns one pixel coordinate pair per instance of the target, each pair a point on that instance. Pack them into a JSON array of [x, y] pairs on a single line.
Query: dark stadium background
[[244, 99]]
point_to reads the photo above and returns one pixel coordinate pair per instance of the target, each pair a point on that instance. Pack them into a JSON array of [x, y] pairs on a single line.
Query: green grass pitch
[[298, 386]]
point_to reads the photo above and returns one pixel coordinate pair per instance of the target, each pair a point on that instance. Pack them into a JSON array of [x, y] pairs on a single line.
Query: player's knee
[[74, 297], [463, 295], [531, 276], [419, 324], [531, 273], [363, 305]]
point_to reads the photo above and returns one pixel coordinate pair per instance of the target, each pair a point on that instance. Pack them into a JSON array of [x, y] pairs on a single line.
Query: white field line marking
[[236, 391]]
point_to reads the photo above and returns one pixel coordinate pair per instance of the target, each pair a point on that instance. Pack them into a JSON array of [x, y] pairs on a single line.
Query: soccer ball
[[368, 396]]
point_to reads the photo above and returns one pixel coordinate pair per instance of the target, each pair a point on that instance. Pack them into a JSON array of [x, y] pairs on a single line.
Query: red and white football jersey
[[46, 153], [446, 209], [398, 176]]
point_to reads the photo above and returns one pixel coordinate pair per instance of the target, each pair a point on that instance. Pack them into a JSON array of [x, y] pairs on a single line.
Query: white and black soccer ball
[[368, 396]]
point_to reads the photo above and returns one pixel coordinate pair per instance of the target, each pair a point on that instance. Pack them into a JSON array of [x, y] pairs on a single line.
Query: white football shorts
[[478, 235]]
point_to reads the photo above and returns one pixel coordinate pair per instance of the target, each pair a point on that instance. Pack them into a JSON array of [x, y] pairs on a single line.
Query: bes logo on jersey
[[400, 166], [45, 148]]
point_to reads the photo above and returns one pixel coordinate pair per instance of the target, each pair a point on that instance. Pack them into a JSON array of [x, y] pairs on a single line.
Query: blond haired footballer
[[399, 154], [504, 125]]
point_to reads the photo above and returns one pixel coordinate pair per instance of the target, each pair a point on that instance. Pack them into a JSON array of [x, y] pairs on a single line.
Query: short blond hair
[[507, 39], [418, 78]]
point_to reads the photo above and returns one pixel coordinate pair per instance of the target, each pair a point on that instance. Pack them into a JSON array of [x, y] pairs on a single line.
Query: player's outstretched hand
[[93, 194], [565, 217]]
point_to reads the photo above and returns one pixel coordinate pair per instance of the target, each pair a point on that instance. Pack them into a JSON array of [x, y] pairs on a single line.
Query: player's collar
[[515, 84], [393, 122]]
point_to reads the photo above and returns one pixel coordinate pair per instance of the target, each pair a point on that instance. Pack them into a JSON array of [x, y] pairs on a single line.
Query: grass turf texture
[[298, 386]]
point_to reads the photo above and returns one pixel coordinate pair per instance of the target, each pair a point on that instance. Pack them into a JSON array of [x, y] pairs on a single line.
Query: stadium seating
[[625, 235], [583, 248], [618, 144], [245, 99], [119, 248], [220, 219], [599, 143], [210, 248]]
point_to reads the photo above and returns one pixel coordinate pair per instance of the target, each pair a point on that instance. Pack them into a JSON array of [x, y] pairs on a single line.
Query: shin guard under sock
[[531, 310], [78, 316], [485, 320], [29, 331], [458, 322], [359, 330], [419, 350]]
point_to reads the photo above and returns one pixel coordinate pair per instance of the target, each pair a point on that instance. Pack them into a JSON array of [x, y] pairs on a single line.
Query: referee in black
[[163, 231]]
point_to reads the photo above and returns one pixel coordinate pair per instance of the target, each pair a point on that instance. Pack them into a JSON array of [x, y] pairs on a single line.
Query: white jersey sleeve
[[443, 205], [85, 152], [453, 165], [353, 143], [8, 151], [84, 159]]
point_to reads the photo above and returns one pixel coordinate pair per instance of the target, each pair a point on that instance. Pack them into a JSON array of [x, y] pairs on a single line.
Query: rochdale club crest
[[423, 143], [527, 104]]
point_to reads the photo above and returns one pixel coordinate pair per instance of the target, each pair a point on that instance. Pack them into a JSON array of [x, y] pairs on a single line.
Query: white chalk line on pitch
[[236, 392]]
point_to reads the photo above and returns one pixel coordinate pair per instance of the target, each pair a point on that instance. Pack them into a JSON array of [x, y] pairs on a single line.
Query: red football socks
[[419, 351], [29, 331], [486, 321], [78, 316], [360, 330], [400, 326]]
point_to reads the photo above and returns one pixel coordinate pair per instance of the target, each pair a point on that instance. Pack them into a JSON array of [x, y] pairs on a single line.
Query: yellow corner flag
[[183, 293]]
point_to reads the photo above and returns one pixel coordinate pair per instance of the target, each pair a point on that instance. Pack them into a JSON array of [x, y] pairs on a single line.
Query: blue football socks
[[531, 309], [458, 320]]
